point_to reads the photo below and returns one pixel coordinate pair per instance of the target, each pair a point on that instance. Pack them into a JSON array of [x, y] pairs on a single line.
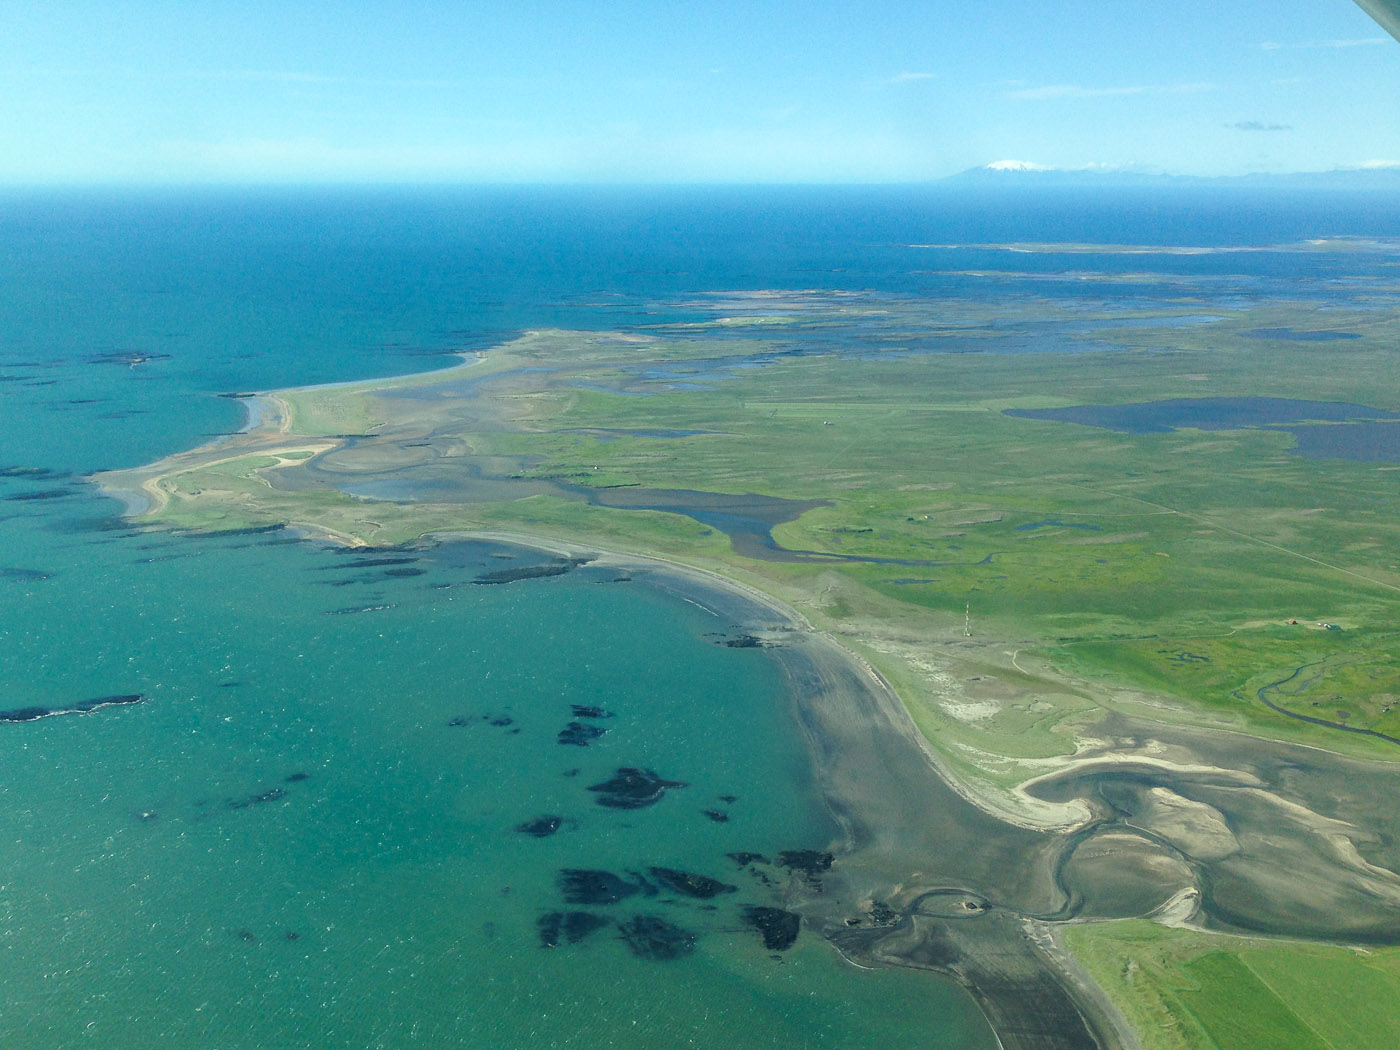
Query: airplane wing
[[1386, 12]]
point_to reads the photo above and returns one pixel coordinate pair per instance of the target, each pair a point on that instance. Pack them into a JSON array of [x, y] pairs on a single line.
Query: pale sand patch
[[977, 711], [1106, 538], [1195, 828]]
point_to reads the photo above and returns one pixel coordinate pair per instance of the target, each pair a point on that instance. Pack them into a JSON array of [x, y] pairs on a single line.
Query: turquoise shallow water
[[289, 844]]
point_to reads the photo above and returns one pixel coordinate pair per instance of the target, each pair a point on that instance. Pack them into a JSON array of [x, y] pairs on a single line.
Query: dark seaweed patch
[[591, 886], [745, 641], [653, 938], [745, 859], [246, 530], [633, 789], [579, 924], [585, 711], [297, 778], [648, 890], [82, 707], [404, 573], [881, 914], [130, 358], [580, 734], [24, 575], [690, 884], [368, 563], [540, 827], [548, 926], [777, 927], [81, 526], [808, 861], [353, 609], [717, 815], [271, 795], [41, 494], [33, 473], [524, 572]]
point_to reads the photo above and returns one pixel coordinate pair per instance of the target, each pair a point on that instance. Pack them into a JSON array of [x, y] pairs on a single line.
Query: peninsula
[[1097, 645]]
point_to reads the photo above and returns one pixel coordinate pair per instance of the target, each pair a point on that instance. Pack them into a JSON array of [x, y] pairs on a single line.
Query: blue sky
[[617, 91]]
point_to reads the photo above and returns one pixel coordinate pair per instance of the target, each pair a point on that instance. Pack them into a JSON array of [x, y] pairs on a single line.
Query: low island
[[1096, 648]]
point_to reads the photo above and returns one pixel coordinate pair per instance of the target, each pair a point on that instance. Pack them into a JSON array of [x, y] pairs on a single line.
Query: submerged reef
[[82, 707], [633, 789]]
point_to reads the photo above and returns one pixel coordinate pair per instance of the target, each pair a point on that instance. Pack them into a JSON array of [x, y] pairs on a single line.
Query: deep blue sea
[[290, 843]]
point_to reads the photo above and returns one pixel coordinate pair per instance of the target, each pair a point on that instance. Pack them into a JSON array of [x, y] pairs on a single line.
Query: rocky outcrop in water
[[777, 927], [689, 884], [580, 734], [653, 938], [82, 707], [591, 886], [540, 827], [633, 789]]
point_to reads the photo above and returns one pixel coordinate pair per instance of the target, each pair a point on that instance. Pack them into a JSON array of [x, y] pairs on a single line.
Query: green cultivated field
[[1183, 989]]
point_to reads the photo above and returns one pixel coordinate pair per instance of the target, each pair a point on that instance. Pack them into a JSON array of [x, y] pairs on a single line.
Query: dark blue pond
[[1294, 335], [1361, 442], [1205, 413]]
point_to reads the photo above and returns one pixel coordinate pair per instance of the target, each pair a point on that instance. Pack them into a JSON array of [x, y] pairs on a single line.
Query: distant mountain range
[[1011, 173]]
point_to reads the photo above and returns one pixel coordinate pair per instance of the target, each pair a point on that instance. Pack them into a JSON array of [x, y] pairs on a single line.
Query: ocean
[[308, 832]]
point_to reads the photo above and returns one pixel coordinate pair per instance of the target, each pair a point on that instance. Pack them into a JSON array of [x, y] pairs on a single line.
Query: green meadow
[[1162, 563], [1181, 989]]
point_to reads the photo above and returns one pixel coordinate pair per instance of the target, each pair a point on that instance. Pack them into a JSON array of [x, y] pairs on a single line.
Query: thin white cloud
[[1053, 91], [1379, 165], [1258, 125], [1370, 41], [905, 78]]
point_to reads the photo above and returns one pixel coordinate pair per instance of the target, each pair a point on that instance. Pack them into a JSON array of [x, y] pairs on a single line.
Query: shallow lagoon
[[1203, 413]]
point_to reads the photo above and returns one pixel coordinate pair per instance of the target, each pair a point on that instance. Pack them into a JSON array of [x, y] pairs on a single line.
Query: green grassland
[[1181, 989], [1161, 563], [1034, 573], [1097, 546]]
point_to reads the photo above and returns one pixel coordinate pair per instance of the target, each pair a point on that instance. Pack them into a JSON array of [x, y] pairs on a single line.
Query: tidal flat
[[1059, 721]]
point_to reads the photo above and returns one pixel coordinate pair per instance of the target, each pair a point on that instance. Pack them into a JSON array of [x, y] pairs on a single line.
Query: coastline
[[853, 724], [865, 747], [934, 873]]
